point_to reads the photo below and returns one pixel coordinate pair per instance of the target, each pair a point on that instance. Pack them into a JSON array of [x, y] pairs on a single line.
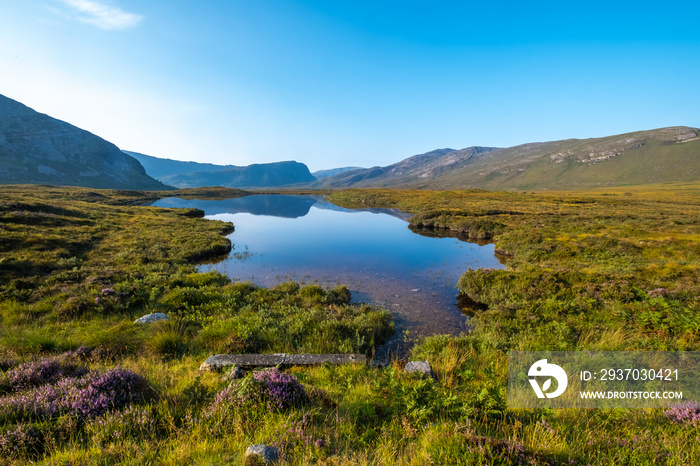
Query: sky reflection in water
[[306, 239]]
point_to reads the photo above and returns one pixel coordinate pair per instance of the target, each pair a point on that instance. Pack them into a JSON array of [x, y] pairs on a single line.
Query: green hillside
[[658, 156], [654, 156]]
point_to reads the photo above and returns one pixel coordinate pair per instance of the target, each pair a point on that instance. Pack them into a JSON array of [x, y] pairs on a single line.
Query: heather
[[41, 392], [44, 371], [601, 270], [685, 414], [84, 397]]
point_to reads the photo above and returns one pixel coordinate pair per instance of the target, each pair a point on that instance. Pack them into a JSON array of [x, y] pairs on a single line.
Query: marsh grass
[[602, 270], [597, 270]]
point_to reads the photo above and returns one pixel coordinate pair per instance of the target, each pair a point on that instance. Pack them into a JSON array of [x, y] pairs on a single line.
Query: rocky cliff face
[[38, 149]]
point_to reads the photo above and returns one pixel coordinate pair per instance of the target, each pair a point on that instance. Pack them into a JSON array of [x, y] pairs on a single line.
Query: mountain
[[195, 174], [259, 175], [333, 171], [661, 155], [38, 149], [655, 156], [159, 168], [421, 168]]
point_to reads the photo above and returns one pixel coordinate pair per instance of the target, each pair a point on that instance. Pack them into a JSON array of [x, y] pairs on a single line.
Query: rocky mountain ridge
[[38, 149], [661, 155]]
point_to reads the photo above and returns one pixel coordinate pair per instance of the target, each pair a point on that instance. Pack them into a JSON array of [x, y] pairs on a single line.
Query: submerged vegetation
[[598, 270]]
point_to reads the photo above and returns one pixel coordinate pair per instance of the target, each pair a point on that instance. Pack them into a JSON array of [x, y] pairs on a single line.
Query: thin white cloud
[[102, 15]]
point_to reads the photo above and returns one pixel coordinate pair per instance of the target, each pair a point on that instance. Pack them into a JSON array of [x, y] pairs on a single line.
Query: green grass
[[600, 270], [656, 160]]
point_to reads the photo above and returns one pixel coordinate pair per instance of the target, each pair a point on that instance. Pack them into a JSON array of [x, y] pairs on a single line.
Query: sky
[[335, 83]]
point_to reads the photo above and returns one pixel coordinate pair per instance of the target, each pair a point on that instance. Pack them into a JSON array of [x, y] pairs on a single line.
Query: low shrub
[[686, 414]]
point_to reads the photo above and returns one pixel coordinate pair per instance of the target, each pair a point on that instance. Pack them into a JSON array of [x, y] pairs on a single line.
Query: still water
[[279, 238]]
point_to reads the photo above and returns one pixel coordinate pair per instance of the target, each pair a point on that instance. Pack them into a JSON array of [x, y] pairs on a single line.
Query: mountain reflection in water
[[306, 239]]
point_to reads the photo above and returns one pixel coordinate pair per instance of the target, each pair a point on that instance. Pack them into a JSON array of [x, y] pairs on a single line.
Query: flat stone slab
[[218, 362], [150, 318], [312, 359]]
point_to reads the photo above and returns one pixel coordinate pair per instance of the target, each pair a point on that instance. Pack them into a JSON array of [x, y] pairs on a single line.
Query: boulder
[[150, 318], [420, 367], [261, 454]]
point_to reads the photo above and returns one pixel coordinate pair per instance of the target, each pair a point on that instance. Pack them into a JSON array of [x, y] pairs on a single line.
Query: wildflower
[[86, 396], [684, 413]]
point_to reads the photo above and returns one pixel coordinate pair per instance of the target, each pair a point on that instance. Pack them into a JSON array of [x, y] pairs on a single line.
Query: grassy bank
[[606, 270], [596, 270], [78, 267]]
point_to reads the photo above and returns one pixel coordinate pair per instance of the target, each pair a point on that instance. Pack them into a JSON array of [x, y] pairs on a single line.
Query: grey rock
[[150, 318], [261, 454], [217, 362], [235, 373], [421, 367], [313, 359]]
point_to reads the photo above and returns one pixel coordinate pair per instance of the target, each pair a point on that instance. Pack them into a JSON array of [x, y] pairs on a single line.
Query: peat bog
[[614, 269]]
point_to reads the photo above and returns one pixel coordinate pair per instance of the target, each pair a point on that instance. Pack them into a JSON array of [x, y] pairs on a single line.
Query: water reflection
[[272, 205], [307, 239]]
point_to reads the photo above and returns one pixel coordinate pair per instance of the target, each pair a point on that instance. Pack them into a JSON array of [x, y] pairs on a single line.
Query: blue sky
[[363, 82]]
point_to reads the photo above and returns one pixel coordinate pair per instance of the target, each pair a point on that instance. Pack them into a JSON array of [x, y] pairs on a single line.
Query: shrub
[[37, 373], [269, 389], [85, 397], [687, 414], [339, 295], [22, 441]]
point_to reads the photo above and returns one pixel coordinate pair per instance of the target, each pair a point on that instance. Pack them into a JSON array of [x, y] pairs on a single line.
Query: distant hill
[[38, 149], [661, 155], [263, 175], [333, 171], [422, 168], [157, 167], [655, 156], [195, 174]]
